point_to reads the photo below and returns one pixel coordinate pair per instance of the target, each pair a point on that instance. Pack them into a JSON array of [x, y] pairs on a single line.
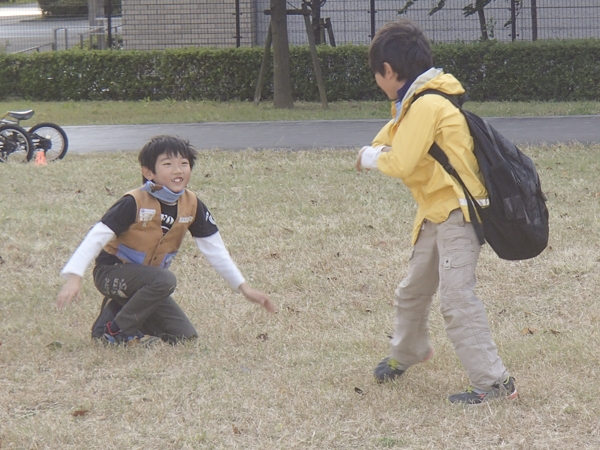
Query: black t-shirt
[[122, 215]]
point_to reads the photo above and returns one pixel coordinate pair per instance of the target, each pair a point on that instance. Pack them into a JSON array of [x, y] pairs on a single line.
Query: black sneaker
[[387, 370], [474, 396], [108, 311], [121, 338]]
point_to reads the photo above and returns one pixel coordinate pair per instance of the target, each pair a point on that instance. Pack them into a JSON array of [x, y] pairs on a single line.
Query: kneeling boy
[[135, 243]]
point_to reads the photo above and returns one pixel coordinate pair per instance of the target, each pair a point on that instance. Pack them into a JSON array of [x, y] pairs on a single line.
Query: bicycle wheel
[[51, 139], [15, 144]]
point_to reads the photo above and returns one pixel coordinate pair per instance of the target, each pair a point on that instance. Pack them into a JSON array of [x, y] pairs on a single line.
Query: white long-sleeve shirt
[[212, 247]]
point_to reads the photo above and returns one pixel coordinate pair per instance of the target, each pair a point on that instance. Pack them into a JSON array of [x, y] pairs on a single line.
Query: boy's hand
[[257, 297], [372, 156], [70, 290], [358, 164]]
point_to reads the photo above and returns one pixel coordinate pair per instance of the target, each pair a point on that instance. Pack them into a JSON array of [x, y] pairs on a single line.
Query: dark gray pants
[[144, 296]]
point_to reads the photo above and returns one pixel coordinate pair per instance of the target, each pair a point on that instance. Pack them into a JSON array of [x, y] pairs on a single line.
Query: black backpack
[[515, 223]]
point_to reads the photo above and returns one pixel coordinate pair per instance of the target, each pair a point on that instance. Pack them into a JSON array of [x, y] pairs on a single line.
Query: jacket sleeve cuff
[[368, 159]]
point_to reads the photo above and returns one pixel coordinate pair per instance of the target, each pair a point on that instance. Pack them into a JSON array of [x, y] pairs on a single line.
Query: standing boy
[[135, 243], [445, 247]]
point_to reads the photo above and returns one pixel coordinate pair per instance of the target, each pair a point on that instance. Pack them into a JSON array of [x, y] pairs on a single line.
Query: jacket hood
[[432, 79]]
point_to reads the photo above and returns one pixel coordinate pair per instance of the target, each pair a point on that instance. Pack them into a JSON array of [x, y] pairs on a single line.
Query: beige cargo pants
[[444, 260]]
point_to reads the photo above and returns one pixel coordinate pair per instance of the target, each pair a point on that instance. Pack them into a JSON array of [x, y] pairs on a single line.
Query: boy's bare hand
[[257, 297], [358, 164], [71, 290]]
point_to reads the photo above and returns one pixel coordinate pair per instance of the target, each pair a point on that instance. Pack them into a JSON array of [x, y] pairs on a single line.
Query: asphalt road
[[312, 134]]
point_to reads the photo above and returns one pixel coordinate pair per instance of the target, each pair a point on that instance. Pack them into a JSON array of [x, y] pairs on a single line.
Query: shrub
[[71, 7], [63, 7], [522, 71]]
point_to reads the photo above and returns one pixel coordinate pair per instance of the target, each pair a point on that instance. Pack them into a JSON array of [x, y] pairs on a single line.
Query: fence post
[[55, 42], [372, 14], [97, 28], [108, 10], [513, 19], [238, 38], [534, 24]]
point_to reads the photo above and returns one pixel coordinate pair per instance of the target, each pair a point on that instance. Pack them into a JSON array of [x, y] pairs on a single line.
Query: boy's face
[[172, 172], [388, 81]]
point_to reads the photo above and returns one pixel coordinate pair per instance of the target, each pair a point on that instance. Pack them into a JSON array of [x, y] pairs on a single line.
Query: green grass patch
[[167, 111]]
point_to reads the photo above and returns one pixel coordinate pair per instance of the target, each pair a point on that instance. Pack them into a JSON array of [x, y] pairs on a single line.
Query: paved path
[[313, 134]]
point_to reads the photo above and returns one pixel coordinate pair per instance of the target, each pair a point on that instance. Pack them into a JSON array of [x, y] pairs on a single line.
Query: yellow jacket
[[411, 133]]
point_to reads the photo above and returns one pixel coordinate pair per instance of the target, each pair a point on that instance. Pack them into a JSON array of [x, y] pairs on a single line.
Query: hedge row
[[522, 71], [67, 8], [63, 7]]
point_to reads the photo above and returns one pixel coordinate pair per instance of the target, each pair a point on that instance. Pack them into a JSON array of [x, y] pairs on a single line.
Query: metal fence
[[541, 19], [355, 21], [159, 24], [25, 29]]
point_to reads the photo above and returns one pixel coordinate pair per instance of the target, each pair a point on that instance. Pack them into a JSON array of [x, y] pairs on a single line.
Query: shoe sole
[[513, 396], [146, 342]]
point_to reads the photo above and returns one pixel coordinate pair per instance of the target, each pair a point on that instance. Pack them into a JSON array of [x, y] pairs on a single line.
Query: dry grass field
[[329, 245]]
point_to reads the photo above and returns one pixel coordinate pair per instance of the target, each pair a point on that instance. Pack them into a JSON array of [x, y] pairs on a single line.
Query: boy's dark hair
[[404, 47], [171, 145]]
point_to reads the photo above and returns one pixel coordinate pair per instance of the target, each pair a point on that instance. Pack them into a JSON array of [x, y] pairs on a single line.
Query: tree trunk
[[482, 24], [315, 8], [282, 84]]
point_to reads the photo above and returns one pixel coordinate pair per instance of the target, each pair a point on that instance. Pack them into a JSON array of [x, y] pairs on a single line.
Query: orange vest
[[144, 242]]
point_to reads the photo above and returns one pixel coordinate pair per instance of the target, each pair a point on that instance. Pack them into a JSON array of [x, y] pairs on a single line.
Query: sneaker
[[388, 369], [108, 311], [473, 396], [121, 338]]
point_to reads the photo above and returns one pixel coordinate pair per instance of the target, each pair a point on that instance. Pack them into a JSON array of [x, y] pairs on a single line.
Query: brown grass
[[329, 245]]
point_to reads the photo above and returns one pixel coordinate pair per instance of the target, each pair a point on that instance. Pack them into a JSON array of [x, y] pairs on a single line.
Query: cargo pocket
[[456, 271]]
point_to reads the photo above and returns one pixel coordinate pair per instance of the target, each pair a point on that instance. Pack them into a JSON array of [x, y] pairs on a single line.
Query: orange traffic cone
[[40, 158]]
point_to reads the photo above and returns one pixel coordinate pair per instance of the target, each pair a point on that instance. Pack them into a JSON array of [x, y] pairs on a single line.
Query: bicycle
[[15, 144], [46, 136]]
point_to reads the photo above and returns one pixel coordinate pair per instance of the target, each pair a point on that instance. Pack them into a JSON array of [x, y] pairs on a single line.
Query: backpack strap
[[440, 156], [456, 100]]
